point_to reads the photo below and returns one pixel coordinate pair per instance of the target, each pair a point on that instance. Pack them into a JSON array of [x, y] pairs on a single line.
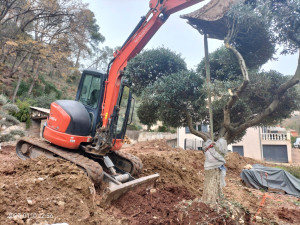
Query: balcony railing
[[274, 136]]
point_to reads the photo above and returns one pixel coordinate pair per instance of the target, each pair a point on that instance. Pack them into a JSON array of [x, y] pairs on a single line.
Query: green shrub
[[6, 137], [24, 112], [11, 108], [293, 140], [3, 100], [6, 119], [162, 129], [37, 89], [23, 88], [51, 88], [18, 132], [13, 120], [173, 131], [5, 123], [133, 127], [44, 101]]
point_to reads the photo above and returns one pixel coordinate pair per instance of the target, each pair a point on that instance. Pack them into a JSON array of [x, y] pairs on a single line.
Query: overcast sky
[[117, 18]]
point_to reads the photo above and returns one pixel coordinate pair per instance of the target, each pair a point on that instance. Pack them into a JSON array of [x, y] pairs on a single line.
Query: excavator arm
[[159, 12]]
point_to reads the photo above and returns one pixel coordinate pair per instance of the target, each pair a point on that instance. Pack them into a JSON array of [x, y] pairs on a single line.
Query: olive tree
[[243, 96]]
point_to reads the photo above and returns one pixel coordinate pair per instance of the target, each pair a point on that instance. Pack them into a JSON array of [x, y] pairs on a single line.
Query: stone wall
[[139, 136]]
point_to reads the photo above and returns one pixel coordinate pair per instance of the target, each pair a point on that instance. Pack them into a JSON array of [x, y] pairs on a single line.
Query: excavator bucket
[[116, 189]]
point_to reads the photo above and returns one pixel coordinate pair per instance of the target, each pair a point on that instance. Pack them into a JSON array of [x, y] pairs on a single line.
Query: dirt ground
[[296, 156], [47, 191]]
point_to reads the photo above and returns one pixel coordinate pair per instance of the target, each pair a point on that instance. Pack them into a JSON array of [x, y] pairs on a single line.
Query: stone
[[258, 219], [152, 191], [61, 203], [30, 202]]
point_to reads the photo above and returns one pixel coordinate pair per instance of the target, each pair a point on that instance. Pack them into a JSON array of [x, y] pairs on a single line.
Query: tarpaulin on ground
[[261, 177]]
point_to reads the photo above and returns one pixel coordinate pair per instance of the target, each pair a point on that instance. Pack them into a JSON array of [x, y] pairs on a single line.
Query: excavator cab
[[90, 93]]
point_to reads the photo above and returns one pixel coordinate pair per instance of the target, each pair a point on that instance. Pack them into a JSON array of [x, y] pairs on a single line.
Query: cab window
[[90, 91], [123, 103]]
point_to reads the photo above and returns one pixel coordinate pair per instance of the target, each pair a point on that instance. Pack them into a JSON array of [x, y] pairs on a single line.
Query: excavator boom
[[159, 12]]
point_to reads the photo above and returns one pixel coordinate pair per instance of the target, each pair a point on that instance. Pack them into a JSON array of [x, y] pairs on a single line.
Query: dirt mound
[[46, 190], [236, 162], [156, 206], [289, 215], [150, 146], [182, 168], [173, 205]]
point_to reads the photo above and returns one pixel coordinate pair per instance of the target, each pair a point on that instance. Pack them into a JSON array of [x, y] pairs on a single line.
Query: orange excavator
[[90, 130]]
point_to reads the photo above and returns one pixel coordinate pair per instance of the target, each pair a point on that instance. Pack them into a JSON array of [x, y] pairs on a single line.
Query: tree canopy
[[46, 37], [169, 97], [243, 96], [150, 65]]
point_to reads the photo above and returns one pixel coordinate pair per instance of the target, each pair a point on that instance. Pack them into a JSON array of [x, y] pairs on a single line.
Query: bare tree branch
[[274, 104], [201, 134], [235, 96]]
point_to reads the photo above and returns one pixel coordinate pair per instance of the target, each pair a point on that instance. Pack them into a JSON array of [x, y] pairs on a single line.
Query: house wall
[[181, 136], [251, 144], [253, 147]]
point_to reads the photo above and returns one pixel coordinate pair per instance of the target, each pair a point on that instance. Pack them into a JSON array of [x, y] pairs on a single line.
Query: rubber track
[[135, 161], [93, 169]]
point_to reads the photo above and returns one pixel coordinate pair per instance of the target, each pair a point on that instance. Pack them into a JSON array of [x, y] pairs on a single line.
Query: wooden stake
[[208, 83]]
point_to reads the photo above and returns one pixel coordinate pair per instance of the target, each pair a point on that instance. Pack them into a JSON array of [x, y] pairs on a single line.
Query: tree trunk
[[3, 55], [212, 191], [33, 66], [208, 84], [15, 61], [77, 59], [17, 64], [17, 88], [35, 72], [31, 86]]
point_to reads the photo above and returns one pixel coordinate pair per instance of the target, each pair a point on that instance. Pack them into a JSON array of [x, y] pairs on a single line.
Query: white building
[[268, 143], [186, 140]]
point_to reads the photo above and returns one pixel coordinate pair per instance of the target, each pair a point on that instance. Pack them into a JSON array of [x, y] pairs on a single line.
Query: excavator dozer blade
[[114, 191]]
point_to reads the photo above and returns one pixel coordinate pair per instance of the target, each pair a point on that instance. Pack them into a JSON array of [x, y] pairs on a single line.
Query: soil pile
[[150, 146], [45, 191], [236, 163], [173, 205], [155, 206], [182, 168]]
